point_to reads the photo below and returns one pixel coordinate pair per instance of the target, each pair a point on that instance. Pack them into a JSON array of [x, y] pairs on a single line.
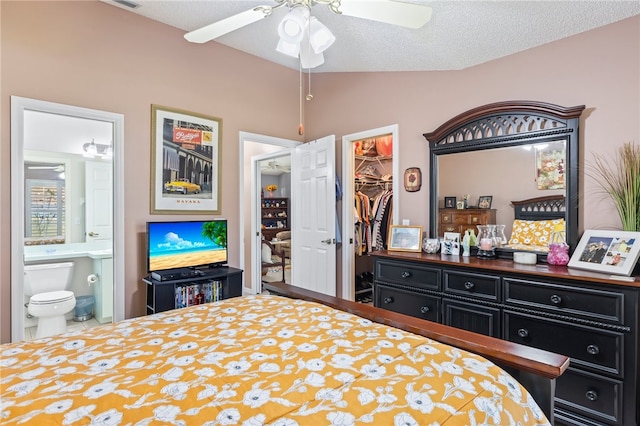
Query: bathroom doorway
[[44, 140]]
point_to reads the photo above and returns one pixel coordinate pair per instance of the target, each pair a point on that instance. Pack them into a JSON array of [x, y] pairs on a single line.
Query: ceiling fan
[[299, 23], [275, 166], [58, 169]]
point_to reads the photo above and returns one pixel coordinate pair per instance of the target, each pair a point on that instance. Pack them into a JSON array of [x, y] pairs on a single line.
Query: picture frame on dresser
[[484, 201], [613, 252], [449, 202], [405, 238]]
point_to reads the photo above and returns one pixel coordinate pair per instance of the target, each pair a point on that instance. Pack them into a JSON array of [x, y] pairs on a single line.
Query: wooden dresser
[[587, 316], [459, 220]]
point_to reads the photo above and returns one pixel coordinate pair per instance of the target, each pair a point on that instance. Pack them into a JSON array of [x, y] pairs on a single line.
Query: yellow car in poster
[[181, 185]]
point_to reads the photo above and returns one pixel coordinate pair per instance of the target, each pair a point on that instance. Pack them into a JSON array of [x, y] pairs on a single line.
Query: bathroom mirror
[[50, 185], [45, 202], [483, 146]]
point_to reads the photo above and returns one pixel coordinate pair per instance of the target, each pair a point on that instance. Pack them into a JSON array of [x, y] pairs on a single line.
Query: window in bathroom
[[44, 211]]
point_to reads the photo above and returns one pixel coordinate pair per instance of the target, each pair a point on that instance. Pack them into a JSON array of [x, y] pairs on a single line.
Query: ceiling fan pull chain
[[301, 125]]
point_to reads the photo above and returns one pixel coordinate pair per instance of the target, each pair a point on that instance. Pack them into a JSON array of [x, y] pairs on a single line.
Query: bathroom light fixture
[[93, 149]]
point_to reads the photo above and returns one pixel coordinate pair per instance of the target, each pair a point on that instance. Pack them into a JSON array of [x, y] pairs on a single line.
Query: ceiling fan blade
[[226, 25], [59, 168], [408, 15]]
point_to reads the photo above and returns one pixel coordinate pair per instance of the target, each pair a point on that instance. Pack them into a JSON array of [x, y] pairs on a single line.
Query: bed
[[263, 359], [536, 219]]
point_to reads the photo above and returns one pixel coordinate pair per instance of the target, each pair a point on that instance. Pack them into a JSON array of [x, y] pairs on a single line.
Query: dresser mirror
[[499, 150]]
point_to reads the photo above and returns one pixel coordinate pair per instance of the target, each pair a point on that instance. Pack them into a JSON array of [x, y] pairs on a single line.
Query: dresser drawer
[[590, 303], [446, 217], [472, 317], [469, 284], [407, 273], [588, 347], [596, 397], [407, 302]]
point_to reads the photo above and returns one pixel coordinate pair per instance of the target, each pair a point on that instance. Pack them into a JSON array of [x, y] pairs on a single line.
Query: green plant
[[216, 231], [619, 177]]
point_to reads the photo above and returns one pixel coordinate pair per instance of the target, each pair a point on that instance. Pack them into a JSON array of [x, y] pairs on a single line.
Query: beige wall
[[94, 55]]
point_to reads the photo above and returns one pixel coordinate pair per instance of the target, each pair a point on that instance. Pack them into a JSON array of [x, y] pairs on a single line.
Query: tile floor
[[30, 332]]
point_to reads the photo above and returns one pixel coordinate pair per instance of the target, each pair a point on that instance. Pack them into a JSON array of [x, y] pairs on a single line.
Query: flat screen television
[[186, 244]]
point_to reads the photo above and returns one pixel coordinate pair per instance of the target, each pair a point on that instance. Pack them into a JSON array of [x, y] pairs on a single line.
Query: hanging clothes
[[372, 218]]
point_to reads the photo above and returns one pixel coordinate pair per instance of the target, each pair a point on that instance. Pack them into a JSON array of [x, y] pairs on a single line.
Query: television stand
[[167, 294]]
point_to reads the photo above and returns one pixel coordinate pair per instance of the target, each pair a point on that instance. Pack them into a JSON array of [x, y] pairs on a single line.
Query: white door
[[98, 200], [313, 242]]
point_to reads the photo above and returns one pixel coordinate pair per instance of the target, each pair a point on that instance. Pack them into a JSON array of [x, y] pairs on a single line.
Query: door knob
[[93, 234], [328, 241]]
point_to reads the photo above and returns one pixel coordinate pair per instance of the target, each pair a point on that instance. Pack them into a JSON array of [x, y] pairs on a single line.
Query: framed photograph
[[460, 205], [449, 202], [550, 166], [484, 201], [613, 252], [405, 238], [185, 162], [412, 179], [451, 243]]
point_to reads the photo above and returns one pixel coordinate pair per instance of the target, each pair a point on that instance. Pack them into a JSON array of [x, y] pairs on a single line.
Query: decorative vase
[[558, 254], [558, 249], [487, 241], [465, 243], [430, 245], [501, 239], [270, 194]]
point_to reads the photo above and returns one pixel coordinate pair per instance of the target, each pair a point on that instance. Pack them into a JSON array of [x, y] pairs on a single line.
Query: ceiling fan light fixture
[[291, 49], [308, 58], [320, 37], [90, 149], [291, 28]]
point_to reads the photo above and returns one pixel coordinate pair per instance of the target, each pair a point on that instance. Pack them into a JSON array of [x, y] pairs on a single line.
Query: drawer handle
[[591, 395], [406, 274], [424, 309], [593, 350], [555, 299], [469, 285], [523, 332], [388, 300]]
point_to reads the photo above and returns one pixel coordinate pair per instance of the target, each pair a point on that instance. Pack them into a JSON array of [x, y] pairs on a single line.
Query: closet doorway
[[370, 180]]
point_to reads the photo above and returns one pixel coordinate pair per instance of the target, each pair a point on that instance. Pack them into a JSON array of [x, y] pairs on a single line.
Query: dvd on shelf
[[198, 293]]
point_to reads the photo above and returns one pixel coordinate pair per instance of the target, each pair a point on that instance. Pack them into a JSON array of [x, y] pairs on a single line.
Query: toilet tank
[[41, 278]]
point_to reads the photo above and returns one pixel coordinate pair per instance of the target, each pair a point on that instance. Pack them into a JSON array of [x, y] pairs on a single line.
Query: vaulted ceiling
[[460, 33]]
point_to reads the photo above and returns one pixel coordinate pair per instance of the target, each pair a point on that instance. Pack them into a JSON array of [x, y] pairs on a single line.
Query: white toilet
[[49, 301]]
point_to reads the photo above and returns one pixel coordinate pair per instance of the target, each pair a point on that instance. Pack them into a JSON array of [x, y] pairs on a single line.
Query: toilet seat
[[51, 297]]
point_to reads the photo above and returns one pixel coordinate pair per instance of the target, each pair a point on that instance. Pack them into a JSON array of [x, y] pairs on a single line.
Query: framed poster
[[185, 162], [405, 238], [412, 179], [613, 252]]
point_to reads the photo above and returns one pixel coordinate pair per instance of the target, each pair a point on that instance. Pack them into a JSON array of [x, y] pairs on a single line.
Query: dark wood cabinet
[[587, 316], [275, 216], [162, 296], [459, 220]]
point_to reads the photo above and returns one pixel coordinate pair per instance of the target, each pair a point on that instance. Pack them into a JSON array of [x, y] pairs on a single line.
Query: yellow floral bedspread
[[254, 360]]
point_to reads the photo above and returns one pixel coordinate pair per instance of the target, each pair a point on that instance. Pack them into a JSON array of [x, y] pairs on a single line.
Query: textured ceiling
[[460, 34]]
